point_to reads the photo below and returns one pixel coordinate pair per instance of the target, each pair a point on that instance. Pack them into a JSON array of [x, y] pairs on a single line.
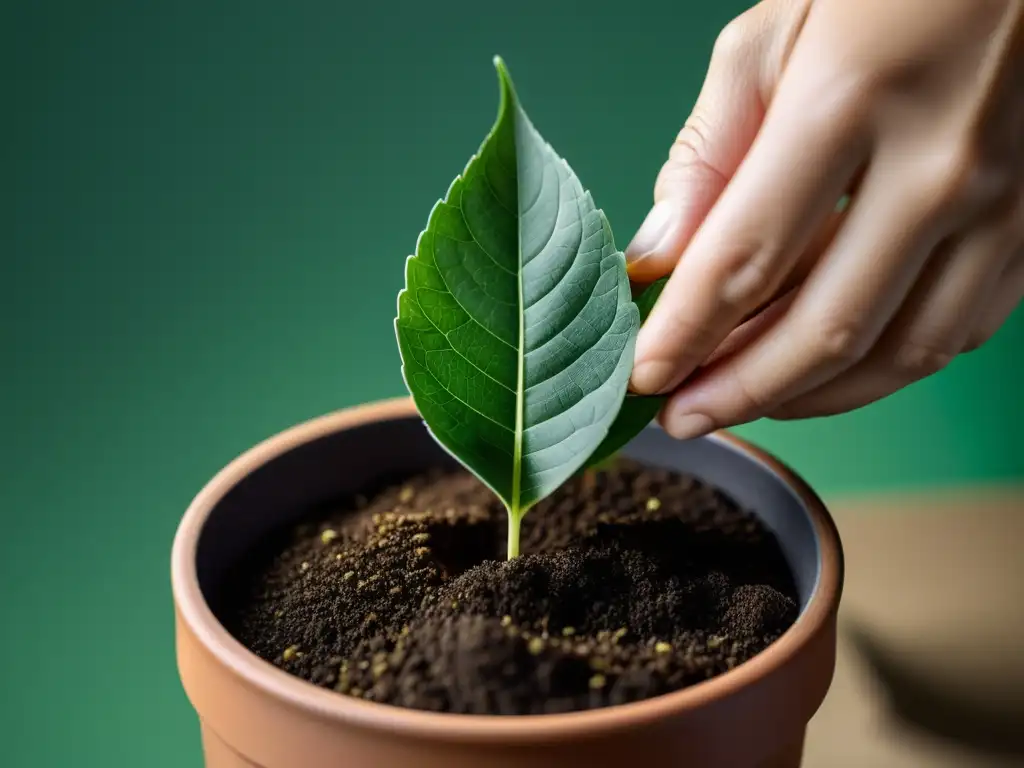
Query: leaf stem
[[514, 522]]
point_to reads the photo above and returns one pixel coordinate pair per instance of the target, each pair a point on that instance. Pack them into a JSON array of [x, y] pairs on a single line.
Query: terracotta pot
[[255, 715]]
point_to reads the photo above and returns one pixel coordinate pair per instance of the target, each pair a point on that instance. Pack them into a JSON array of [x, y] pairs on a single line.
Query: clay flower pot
[[254, 715]]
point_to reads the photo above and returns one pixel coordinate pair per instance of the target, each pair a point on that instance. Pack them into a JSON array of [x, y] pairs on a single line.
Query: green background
[[207, 206]]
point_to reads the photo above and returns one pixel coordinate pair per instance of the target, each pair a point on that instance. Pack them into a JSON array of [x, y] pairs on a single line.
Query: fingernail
[[651, 376], [686, 426], [653, 233]]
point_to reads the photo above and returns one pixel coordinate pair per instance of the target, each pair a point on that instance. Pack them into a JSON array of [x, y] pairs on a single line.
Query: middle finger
[[838, 315]]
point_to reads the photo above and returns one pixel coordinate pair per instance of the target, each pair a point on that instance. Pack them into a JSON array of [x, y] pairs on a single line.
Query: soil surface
[[633, 583]]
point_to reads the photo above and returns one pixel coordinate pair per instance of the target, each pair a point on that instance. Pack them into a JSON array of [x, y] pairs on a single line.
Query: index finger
[[799, 166]]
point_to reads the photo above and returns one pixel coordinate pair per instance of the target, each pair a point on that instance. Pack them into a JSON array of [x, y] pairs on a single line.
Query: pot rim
[[326, 704]]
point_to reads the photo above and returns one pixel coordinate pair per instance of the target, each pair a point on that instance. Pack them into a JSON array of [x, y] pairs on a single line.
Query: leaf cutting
[[516, 325]]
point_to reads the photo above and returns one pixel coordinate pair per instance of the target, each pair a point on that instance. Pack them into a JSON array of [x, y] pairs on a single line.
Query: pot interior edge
[[749, 483], [282, 491]]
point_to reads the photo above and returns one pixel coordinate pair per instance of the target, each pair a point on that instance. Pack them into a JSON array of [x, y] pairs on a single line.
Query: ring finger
[[933, 327]]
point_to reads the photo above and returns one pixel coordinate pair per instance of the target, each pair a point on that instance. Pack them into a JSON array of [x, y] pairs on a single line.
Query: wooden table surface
[[931, 662]]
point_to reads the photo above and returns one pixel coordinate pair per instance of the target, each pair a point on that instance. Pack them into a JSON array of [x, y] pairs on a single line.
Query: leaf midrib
[[517, 449]]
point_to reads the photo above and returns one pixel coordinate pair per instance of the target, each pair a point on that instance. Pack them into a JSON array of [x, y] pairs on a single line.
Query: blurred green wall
[[207, 209]]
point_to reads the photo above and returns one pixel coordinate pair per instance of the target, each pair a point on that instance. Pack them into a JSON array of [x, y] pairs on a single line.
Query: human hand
[[780, 306]]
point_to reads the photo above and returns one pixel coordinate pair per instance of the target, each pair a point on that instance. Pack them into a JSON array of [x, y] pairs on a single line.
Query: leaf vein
[[461, 306], [458, 399], [554, 227], [453, 348], [469, 228]]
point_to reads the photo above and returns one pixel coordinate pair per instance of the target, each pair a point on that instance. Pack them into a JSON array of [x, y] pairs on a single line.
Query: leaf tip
[[508, 91]]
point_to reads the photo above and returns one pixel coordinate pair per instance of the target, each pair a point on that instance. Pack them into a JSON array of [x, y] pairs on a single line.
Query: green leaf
[[637, 410], [516, 327], [649, 297]]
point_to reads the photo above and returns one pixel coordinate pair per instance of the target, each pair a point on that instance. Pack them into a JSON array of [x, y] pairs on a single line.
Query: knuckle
[[840, 341], [688, 159], [853, 97], [914, 360], [752, 400], [962, 167], [837, 104], [961, 173], [942, 186], [747, 278], [737, 38], [691, 143]]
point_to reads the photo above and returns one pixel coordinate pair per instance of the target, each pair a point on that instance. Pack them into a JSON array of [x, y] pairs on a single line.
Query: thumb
[[709, 148]]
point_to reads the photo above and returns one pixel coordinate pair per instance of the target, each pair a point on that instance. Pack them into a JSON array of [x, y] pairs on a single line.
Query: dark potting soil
[[633, 582]]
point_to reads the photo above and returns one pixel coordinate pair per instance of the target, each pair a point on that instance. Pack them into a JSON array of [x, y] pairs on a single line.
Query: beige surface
[[937, 584]]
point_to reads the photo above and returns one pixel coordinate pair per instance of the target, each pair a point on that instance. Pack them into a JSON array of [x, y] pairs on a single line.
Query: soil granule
[[633, 582]]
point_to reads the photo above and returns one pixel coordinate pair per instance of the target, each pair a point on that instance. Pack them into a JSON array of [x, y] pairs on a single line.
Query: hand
[[781, 305]]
